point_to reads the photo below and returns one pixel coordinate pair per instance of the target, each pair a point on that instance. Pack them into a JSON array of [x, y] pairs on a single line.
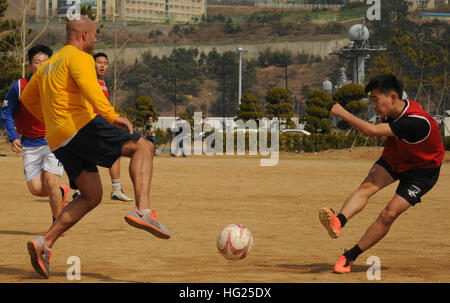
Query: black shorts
[[414, 183], [97, 143]]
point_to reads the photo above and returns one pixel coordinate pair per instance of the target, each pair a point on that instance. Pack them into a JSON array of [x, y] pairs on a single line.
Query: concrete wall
[[319, 48]]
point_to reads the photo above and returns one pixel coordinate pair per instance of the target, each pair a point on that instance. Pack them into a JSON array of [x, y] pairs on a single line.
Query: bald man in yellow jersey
[[63, 94]]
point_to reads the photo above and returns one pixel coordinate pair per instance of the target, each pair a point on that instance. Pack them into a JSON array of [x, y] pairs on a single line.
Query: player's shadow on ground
[[41, 200], [32, 275], [20, 233], [315, 268], [69, 200]]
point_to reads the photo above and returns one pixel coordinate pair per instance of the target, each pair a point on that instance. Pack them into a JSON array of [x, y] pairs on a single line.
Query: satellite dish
[[327, 86], [358, 32]]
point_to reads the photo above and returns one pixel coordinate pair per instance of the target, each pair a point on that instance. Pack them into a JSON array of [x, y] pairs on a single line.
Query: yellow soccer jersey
[[63, 94]]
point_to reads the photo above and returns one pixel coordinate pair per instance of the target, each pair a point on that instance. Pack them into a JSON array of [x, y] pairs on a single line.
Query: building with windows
[[161, 10], [54, 9], [336, 4], [128, 10]]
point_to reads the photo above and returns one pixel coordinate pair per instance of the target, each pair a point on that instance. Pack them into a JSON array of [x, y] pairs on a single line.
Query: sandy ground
[[196, 196]]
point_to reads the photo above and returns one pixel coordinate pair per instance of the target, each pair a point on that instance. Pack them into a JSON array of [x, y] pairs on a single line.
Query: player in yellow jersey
[[101, 66], [63, 94]]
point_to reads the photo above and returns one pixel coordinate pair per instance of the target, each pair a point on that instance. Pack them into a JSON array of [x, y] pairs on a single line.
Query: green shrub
[[289, 142], [321, 142], [163, 137]]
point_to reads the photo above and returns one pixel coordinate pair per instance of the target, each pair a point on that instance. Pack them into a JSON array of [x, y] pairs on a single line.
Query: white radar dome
[[358, 32], [327, 85]]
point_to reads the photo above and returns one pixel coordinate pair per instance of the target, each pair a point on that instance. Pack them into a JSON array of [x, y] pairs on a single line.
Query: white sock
[[116, 185]]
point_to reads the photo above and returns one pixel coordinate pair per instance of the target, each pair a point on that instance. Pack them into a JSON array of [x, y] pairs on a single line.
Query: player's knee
[[140, 145], [93, 198], [367, 189], [146, 146], [38, 192], [388, 216]]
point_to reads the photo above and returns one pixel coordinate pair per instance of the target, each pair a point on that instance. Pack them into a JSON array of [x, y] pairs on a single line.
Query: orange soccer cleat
[[343, 265], [330, 221]]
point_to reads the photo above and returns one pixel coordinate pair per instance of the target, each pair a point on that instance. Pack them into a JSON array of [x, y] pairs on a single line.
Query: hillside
[[311, 74], [223, 24], [231, 26], [217, 32]]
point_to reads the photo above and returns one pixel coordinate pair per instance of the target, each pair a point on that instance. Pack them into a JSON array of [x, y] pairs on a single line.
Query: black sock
[[353, 253], [343, 219]]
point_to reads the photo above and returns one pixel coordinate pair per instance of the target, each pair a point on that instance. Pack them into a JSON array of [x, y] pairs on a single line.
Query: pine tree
[[143, 106], [318, 107], [279, 103], [249, 109], [349, 96], [418, 56], [88, 11]]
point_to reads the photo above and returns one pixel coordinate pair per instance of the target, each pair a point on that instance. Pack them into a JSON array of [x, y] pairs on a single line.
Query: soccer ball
[[235, 241]]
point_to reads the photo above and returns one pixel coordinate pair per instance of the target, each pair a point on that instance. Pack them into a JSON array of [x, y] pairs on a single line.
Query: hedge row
[[320, 142], [312, 143]]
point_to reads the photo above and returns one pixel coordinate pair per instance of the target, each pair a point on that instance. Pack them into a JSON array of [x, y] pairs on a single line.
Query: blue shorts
[[97, 143]]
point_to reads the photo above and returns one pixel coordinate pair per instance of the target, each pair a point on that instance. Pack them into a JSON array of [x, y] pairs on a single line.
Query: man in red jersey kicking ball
[[412, 154]]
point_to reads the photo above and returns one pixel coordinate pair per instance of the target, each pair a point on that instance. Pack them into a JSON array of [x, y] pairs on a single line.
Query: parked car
[[233, 131], [295, 131]]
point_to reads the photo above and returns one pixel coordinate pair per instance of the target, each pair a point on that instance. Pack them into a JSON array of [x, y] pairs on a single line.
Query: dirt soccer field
[[196, 196]]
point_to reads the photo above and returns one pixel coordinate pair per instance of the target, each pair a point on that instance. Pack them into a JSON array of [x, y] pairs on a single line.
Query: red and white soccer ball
[[235, 241]]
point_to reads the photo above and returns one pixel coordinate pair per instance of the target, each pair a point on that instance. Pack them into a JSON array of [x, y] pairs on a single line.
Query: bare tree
[[21, 47], [117, 54]]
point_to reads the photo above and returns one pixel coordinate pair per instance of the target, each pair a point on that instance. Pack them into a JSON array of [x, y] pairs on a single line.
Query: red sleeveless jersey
[[26, 124], [104, 89], [427, 153]]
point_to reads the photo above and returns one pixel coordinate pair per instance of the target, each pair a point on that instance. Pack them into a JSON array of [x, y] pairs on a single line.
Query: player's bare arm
[[368, 129]]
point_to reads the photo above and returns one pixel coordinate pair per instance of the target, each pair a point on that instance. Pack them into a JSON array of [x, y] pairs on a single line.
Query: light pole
[[293, 104], [207, 104], [115, 58], [286, 63], [240, 51]]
